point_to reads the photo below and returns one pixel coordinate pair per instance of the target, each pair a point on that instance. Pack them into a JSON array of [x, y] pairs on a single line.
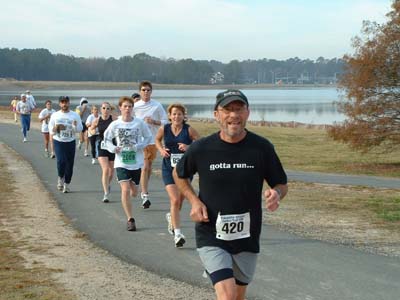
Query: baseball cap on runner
[[63, 98], [228, 96]]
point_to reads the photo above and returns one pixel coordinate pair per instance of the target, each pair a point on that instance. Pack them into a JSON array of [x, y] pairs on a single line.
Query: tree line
[[41, 64]]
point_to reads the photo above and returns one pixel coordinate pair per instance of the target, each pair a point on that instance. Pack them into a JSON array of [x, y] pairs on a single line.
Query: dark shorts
[[84, 127], [128, 175], [104, 153], [167, 176]]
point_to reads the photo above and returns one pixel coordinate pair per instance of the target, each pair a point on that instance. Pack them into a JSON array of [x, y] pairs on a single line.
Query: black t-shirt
[[231, 177]]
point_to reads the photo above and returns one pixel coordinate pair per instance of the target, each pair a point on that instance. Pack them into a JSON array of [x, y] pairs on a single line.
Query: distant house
[[217, 78]]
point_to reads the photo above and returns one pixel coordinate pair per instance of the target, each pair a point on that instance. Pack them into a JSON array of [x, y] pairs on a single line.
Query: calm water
[[305, 105]]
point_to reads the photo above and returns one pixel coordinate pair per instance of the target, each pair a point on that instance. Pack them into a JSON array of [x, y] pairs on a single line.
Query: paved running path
[[289, 267]]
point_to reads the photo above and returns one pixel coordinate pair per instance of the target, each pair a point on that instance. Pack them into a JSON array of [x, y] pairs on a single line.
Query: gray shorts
[[221, 265]]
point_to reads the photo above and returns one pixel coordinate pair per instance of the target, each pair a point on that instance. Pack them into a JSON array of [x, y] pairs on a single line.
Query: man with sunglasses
[[154, 115], [232, 165], [63, 126]]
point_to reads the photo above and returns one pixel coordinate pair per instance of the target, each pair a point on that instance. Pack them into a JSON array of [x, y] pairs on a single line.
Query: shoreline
[[71, 85]]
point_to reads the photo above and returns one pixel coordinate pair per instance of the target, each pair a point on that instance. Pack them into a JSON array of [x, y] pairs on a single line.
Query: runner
[[177, 136], [24, 109], [84, 112], [154, 115], [93, 132], [13, 105], [30, 98], [44, 118], [232, 165], [105, 158], [63, 125], [132, 136]]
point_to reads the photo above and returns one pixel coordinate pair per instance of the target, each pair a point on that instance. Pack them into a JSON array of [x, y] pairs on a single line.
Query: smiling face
[[232, 120], [176, 115]]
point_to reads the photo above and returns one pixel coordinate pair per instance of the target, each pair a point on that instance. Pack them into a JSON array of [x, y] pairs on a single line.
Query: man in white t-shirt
[[154, 115], [63, 126]]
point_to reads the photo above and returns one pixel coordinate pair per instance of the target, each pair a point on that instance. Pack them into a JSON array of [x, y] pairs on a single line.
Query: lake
[[304, 105]]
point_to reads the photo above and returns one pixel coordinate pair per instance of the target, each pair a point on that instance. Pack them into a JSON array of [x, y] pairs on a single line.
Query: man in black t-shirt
[[232, 165]]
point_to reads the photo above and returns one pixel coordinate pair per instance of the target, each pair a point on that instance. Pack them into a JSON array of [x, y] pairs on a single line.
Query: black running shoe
[[131, 226]]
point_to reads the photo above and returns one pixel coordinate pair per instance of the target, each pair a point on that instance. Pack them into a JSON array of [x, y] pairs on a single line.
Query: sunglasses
[[105, 108], [145, 90]]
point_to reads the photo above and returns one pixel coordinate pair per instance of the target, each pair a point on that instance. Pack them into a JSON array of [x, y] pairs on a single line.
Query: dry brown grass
[[18, 280]]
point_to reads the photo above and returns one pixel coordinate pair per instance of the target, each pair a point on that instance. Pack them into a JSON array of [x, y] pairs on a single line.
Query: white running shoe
[[105, 198], [170, 227], [145, 200], [93, 161], [25, 140], [179, 240], [86, 153], [66, 188], [60, 183]]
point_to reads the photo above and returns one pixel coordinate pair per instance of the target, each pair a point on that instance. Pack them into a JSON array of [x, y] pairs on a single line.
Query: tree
[[371, 85]]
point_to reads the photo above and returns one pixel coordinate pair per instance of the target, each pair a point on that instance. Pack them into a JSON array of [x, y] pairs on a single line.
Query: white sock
[[177, 231]]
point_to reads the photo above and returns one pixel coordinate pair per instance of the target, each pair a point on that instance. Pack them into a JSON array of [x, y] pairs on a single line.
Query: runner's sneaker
[[60, 183], [25, 140], [66, 188], [79, 145], [53, 155], [145, 200], [179, 240], [93, 161], [86, 153], [105, 198], [131, 225], [170, 227]]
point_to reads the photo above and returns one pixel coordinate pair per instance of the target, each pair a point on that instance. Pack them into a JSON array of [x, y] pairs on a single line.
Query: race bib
[[175, 158], [128, 156], [233, 227], [66, 133]]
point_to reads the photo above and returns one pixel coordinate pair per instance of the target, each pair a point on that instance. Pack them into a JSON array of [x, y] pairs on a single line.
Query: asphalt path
[[289, 267]]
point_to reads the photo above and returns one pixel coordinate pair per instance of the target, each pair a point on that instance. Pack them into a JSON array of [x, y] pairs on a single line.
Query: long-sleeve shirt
[[131, 137], [154, 110]]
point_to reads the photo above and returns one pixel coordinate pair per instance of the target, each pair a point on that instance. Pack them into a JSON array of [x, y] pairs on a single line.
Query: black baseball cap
[[135, 95], [62, 98], [228, 96]]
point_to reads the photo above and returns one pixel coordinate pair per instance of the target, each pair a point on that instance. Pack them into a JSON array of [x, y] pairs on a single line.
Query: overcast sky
[[200, 29]]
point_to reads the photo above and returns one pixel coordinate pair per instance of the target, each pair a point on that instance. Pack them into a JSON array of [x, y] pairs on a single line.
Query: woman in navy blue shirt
[[172, 140]]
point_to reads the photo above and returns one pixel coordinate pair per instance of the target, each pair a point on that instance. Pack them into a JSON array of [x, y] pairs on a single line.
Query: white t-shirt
[[89, 122], [67, 134], [154, 110], [24, 108], [132, 137], [31, 99], [45, 123]]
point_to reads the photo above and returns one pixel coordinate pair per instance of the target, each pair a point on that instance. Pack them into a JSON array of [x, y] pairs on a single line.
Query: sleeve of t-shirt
[[187, 166], [274, 172]]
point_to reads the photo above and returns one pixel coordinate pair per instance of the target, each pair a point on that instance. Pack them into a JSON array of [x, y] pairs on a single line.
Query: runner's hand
[[198, 212], [272, 199]]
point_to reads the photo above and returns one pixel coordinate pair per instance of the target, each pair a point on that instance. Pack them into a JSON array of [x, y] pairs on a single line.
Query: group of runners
[[232, 165]]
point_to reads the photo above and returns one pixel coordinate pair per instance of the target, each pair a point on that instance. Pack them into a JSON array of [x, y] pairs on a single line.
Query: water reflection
[[312, 105]]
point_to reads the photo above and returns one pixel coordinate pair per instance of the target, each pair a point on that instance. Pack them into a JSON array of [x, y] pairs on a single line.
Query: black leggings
[[93, 140]]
